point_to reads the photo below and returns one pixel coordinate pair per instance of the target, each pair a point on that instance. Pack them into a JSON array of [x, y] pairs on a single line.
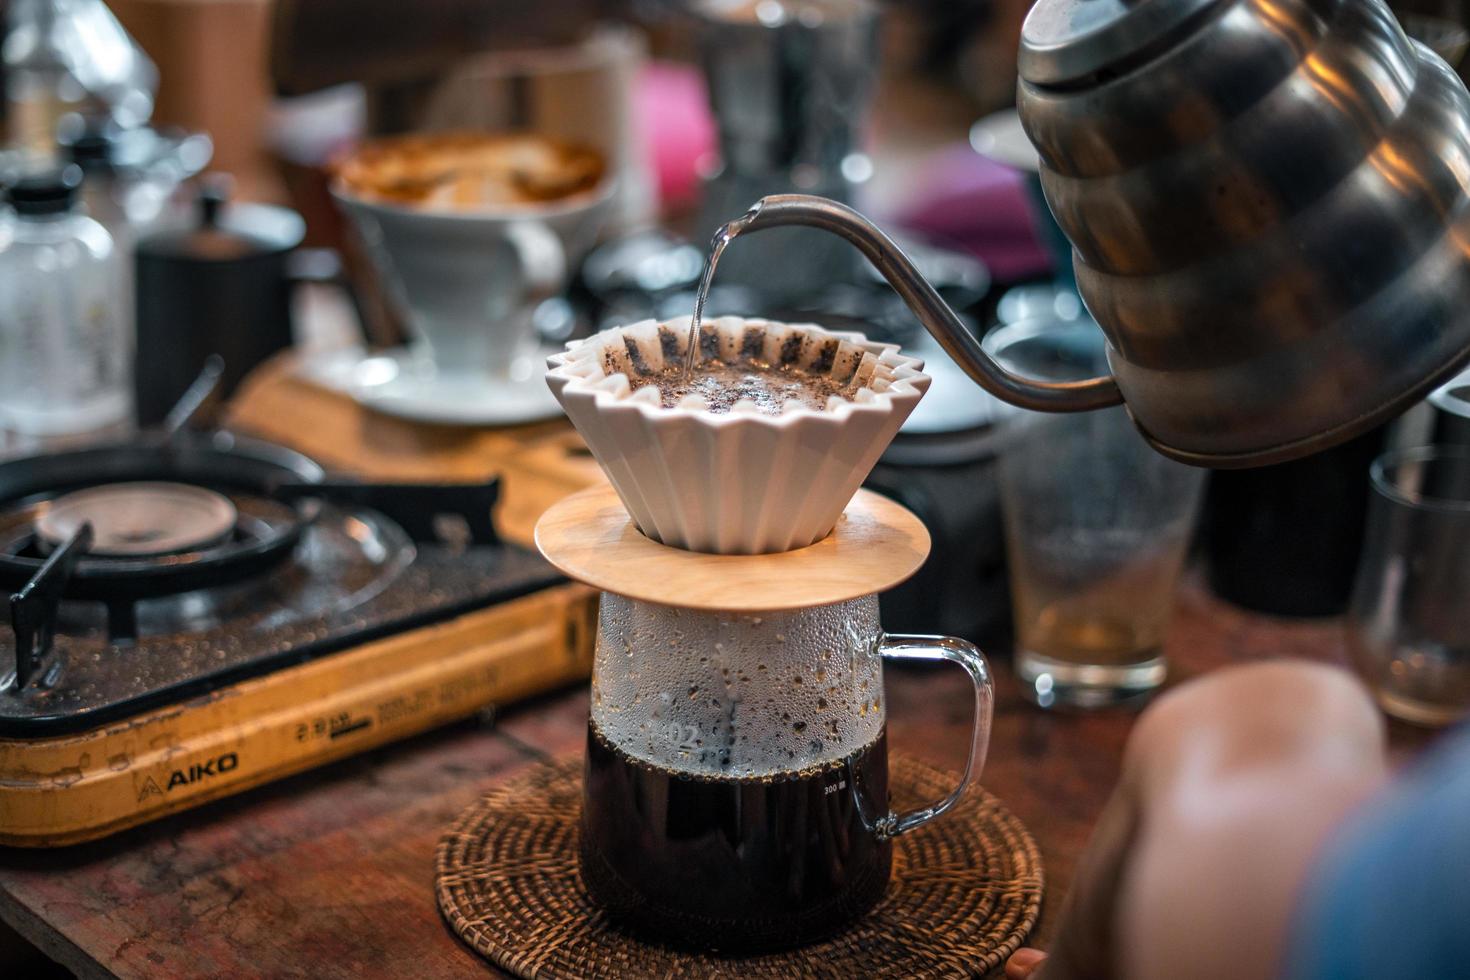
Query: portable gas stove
[[206, 613]]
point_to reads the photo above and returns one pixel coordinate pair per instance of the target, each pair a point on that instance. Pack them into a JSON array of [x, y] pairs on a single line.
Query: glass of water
[[1097, 525], [1409, 622]]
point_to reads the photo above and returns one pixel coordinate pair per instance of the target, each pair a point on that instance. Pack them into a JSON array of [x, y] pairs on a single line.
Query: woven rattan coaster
[[965, 891]]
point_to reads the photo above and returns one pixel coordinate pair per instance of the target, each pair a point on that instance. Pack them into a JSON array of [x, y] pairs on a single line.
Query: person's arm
[[1230, 784]]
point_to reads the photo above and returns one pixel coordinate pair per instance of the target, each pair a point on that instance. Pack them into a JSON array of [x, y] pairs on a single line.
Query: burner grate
[[329, 598], [292, 576]]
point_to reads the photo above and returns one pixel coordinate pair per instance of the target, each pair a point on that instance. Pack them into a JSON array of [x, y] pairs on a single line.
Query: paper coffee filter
[[649, 349], [745, 481]]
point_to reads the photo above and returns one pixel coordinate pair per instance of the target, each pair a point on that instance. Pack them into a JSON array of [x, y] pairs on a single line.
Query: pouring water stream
[[717, 246]]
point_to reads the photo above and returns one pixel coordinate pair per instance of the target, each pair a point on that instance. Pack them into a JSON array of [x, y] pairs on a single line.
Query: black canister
[[221, 287], [949, 481], [1285, 539]]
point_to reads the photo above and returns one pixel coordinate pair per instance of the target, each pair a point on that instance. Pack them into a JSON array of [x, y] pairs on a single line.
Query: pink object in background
[[674, 118], [969, 202]]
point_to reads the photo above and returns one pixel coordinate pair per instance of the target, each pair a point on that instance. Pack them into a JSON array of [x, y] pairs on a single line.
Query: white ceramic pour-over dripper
[[742, 482]]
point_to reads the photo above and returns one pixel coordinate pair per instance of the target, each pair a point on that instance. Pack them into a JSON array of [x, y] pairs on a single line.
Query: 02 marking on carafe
[[685, 737]]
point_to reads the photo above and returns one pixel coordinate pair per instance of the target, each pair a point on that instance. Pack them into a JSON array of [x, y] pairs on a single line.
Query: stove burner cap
[[136, 520]]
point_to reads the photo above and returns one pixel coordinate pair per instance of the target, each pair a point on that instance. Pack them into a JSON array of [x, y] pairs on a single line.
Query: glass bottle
[[64, 349], [105, 192]]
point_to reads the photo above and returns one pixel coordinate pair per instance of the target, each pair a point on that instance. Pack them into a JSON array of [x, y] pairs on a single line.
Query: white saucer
[[398, 384], [954, 403], [999, 137]]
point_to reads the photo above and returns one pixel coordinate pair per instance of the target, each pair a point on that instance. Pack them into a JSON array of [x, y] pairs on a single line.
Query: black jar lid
[[227, 232], [49, 192], [91, 144]]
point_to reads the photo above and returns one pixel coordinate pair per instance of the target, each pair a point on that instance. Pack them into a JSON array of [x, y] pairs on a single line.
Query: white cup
[[469, 281]]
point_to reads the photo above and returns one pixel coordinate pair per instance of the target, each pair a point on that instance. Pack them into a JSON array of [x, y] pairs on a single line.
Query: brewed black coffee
[[735, 865]]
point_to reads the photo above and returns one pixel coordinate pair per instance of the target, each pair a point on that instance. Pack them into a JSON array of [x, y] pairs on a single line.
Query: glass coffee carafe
[[736, 791]]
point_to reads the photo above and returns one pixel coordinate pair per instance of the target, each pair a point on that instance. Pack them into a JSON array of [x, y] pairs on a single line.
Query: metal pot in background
[[220, 287], [790, 88]]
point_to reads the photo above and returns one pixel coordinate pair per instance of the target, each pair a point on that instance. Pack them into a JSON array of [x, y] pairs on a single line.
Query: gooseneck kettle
[[1267, 202]]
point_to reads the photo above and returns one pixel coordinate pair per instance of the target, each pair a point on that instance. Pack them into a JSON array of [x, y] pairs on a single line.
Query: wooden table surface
[[329, 874]]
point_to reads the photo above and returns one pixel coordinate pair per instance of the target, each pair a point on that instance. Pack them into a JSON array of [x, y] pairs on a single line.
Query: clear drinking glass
[[1097, 525], [1408, 626]]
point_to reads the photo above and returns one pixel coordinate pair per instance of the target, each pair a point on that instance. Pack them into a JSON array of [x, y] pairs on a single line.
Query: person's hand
[[1024, 963], [1229, 784], [1084, 941]]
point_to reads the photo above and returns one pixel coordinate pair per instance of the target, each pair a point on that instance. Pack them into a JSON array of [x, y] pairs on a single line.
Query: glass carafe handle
[[968, 656]]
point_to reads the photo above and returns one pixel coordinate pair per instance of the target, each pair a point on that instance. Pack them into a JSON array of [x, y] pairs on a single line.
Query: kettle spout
[[926, 304]]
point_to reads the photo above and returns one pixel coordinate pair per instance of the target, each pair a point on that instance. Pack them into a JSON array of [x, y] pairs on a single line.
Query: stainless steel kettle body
[[1267, 201]]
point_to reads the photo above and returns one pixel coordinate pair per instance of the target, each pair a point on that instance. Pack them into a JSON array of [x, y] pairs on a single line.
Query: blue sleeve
[[1390, 896]]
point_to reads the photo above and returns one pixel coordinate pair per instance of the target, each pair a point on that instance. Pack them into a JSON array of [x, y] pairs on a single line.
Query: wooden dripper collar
[[876, 545]]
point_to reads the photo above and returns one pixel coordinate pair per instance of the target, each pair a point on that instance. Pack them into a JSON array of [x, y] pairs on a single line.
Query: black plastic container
[[222, 287], [1285, 539]]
